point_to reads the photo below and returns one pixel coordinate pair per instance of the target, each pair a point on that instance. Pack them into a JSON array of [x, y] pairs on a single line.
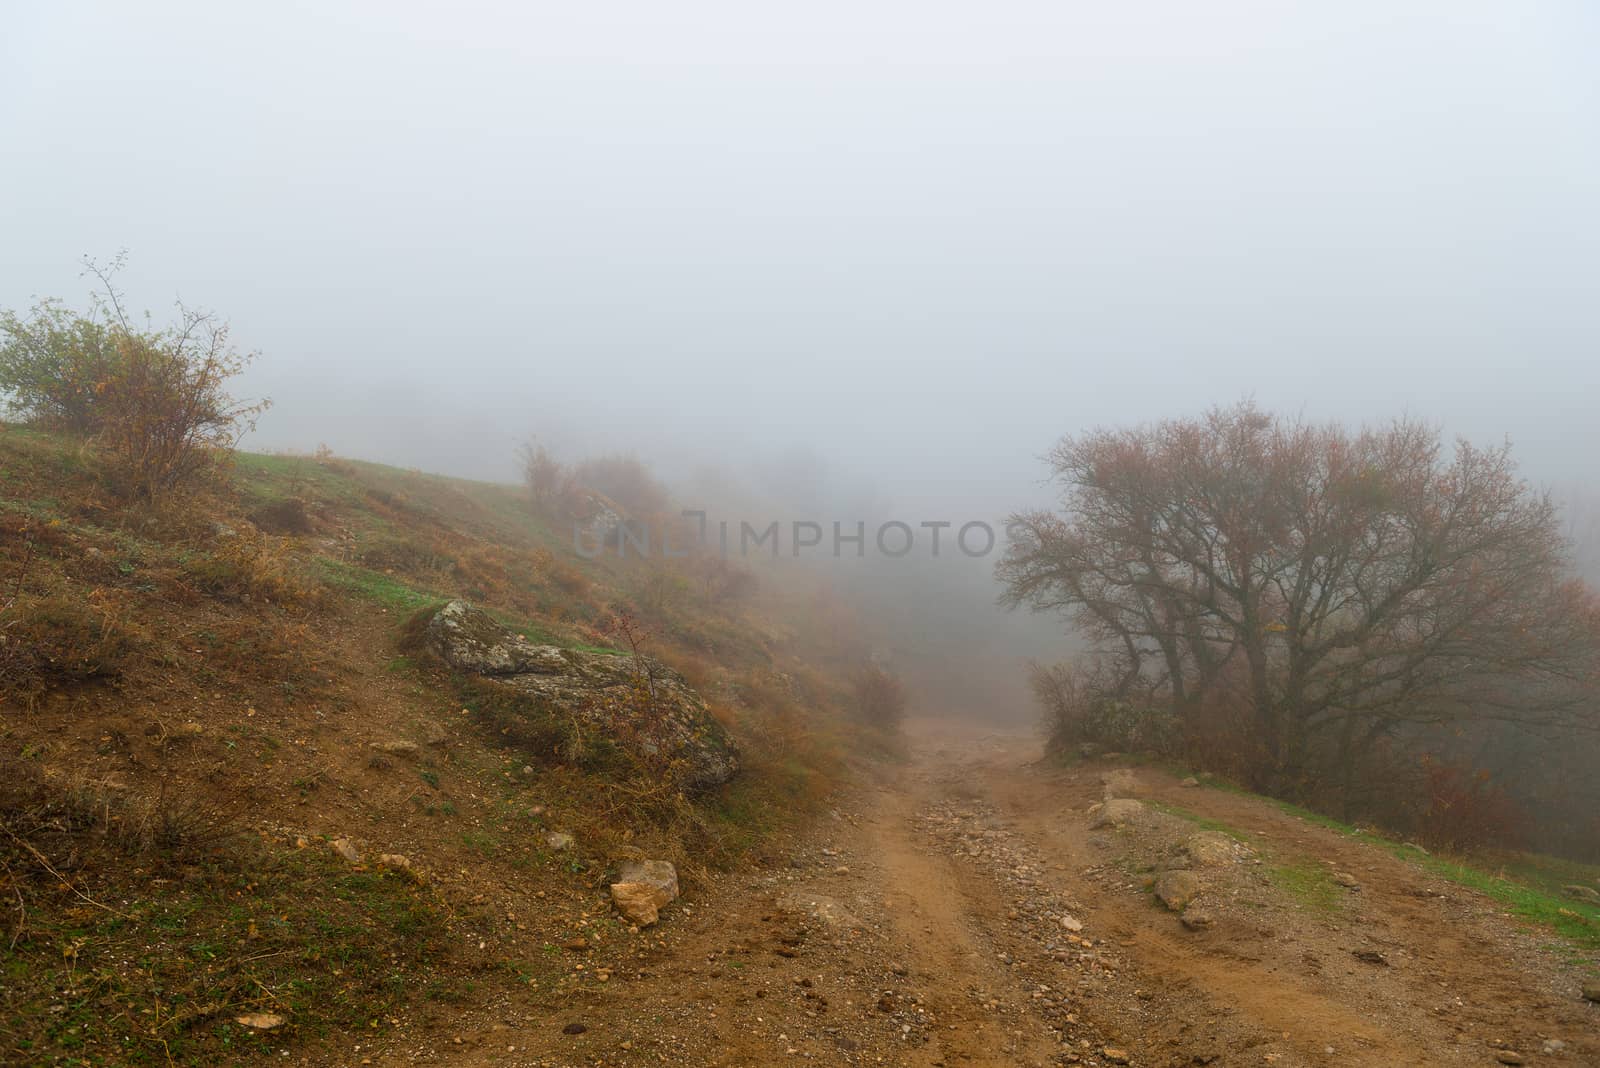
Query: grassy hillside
[[1559, 895], [197, 700]]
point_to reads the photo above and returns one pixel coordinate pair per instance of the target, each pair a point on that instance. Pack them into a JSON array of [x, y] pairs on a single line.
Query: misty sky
[[916, 241]]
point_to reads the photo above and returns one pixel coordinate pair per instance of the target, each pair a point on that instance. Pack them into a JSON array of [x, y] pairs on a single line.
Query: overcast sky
[[916, 240]]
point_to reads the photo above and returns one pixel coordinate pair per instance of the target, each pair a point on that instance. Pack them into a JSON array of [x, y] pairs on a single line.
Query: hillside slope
[[197, 704]]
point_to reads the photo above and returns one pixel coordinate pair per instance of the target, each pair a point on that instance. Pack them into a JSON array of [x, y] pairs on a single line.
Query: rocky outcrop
[[591, 687]]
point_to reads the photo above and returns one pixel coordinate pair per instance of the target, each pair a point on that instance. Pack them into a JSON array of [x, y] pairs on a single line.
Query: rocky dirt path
[[966, 911]]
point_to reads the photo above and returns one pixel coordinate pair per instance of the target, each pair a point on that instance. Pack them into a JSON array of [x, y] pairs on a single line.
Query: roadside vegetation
[[1368, 623], [1550, 892]]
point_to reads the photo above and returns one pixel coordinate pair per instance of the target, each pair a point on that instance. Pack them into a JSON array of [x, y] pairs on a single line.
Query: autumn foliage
[[154, 401], [1292, 599]]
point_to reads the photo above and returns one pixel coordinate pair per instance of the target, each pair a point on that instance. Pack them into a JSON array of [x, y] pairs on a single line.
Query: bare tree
[[1360, 582]]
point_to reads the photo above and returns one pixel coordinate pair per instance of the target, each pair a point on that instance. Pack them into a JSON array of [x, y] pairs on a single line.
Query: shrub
[[625, 480], [879, 697], [52, 363], [1088, 706], [166, 417], [1462, 809], [550, 484], [155, 400]]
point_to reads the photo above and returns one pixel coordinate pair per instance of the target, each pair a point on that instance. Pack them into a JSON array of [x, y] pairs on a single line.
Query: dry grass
[[101, 969], [193, 638], [247, 565], [59, 640]]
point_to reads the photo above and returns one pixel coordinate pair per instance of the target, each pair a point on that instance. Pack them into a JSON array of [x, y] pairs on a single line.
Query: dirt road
[[965, 911]]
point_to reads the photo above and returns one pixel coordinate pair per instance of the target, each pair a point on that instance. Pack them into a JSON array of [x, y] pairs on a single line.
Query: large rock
[[1177, 888], [593, 688], [1116, 812], [642, 888], [1120, 782], [657, 873], [637, 903], [1211, 849]]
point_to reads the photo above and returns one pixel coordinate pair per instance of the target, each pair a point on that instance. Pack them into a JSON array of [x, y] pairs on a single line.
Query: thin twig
[[43, 860], [22, 908]]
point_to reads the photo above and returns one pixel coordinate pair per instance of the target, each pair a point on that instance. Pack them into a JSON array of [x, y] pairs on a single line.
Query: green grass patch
[[1527, 885], [1574, 920], [1205, 823], [391, 592], [1309, 883], [375, 586]]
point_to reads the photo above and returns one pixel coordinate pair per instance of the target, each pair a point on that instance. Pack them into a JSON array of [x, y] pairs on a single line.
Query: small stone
[[401, 865], [1346, 880], [639, 903], [260, 1021], [1115, 1055], [1190, 781], [1072, 924], [574, 1028], [1591, 990], [560, 841], [1506, 1056], [1196, 918], [346, 849], [399, 747]]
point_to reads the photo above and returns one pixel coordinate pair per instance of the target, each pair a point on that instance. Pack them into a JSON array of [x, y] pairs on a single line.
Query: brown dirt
[[922, 925]]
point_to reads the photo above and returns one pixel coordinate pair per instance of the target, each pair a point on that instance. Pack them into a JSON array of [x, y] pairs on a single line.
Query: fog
[[897, 248]]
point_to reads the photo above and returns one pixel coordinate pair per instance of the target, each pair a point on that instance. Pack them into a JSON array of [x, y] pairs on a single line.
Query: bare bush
[[552, 487], [625, 480], [166, 417], [880, 698], [1084, 704]]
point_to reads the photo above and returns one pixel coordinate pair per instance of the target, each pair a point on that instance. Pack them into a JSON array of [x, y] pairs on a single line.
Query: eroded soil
[[963, 912]]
